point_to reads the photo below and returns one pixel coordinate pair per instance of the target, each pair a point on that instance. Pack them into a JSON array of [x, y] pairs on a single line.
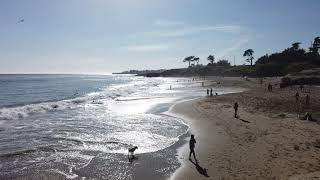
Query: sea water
[[60, 123]]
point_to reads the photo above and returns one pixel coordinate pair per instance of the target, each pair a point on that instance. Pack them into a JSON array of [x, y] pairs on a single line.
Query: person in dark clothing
[[211, 92], [207, 92], [192, 143], [307, 100], [297, 96], [269, 87], [301, 87], [235, 106]]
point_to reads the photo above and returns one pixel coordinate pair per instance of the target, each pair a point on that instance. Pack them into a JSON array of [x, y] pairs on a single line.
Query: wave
[[21, 112], [29, 151], [110, 91], [69, 175], [24, 111], [63, 148], [133, 98], [85, 142], [17, 153]]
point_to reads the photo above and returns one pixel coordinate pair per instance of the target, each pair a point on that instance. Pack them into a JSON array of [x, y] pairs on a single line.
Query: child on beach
[[192, 143]]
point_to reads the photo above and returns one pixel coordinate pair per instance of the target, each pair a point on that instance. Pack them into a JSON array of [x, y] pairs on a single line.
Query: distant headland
[[149, 73]]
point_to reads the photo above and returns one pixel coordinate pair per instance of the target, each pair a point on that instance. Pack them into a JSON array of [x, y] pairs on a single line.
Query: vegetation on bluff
[[290, 60]]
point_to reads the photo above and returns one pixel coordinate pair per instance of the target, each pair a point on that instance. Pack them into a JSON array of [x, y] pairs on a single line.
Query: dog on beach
[[131, 151]]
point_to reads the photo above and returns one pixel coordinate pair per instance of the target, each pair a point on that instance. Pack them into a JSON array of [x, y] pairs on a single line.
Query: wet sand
[[267, 141]]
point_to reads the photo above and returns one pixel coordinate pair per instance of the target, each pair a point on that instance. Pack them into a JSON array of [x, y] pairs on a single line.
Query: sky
[[104, 36]]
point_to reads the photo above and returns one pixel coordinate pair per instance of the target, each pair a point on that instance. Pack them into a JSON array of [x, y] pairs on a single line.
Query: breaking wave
[[20, 112]]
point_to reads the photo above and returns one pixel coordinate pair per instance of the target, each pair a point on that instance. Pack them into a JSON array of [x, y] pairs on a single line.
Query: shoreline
[[250, 147], [166, 109], [266, 142], [103, 165], [182, 148]]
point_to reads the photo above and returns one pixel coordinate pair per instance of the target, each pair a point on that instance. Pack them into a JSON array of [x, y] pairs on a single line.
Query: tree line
[[210, 58], [293, 54]]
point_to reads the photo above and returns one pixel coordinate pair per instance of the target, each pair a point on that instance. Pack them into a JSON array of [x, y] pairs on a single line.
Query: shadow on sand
[[243, 120], [200, 169]]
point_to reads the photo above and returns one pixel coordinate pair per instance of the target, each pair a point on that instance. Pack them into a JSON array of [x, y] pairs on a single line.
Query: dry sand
[[267, 141]]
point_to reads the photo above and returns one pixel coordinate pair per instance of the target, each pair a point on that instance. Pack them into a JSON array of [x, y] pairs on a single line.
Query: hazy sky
[[103, 36]]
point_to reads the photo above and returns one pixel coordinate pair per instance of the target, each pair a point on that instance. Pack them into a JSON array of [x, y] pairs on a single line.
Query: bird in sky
[[21, 21]]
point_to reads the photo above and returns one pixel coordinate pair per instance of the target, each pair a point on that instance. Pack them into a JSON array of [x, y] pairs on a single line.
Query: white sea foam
[[21, 112], [68, 175]]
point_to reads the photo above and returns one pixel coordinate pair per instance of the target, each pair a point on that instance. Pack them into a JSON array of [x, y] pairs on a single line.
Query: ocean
[[80, 126]]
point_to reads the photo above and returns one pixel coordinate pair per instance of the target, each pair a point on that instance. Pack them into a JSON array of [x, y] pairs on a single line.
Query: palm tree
[[210, 58], [188, 59], [316, 41], [296, 46], [249, 54], [316, 45], [196, 59]]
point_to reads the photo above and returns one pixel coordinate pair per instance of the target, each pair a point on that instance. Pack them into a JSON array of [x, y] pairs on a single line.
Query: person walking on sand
[[192, 143], [297, 97], [301, 87], [298, 105], [207, 92], [211, 92], [235, 106], [269, 87], [307, 100]]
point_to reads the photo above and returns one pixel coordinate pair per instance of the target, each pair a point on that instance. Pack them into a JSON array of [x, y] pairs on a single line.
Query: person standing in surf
[[192, 143]]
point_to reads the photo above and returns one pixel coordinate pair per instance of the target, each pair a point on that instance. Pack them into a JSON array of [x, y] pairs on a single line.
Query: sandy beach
[[266, 141]]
